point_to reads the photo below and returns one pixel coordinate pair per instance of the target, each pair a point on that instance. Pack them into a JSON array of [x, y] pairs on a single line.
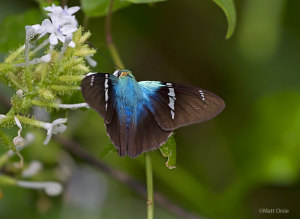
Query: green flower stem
[[14, 55], [64, 88], [45, 104], [3, 159], [64, 48], [71, 78], [31, 122], [27, 45], [85, 37], [7, 181], [117, 59], [115, 55], [149, 176], [14, 80], [42, 45], [59, 106]]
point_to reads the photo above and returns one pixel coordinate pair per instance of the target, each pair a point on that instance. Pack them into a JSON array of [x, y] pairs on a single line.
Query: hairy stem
[[149, 177]]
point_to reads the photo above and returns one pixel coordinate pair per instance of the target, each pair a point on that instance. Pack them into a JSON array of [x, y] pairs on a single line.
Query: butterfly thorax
[[129, 99]]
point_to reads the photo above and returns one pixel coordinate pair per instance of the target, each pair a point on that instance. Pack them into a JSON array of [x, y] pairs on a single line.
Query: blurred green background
[[245, 159]]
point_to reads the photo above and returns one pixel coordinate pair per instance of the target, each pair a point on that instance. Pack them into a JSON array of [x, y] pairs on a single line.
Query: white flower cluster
[[61, 25]]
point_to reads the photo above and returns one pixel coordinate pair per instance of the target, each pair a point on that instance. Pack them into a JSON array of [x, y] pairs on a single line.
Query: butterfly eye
[[117, 73]]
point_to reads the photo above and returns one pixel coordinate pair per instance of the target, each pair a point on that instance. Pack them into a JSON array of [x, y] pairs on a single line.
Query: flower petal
[[59, 121], [68, 29], [59, 128], [46, 58], [53, 39], [72, 44], [72, 10], [46, 26], [53, 8], [32, 30], [61, 38]]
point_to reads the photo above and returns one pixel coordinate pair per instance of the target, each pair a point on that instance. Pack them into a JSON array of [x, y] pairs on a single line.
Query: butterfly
[[141, 116]]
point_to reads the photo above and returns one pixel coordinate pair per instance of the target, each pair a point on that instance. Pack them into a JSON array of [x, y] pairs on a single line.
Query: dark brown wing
[[98, 91], [176, 105], [141, 136]]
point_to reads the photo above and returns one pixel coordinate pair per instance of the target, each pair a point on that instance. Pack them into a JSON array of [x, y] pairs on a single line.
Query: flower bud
[[20, 93], [19, 141]]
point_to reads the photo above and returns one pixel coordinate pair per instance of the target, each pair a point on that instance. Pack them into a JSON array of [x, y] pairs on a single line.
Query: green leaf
[[169, 150], [13, 29], [108, 149], [229, 9], [97, 8]]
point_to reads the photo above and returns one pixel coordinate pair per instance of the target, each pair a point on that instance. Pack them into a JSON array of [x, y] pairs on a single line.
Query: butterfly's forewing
[[175, 105], [97, 90]]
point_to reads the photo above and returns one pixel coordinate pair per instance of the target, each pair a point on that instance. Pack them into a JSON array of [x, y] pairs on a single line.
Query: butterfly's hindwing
[[98, 91], [175, 105], [137, 138], [146, 134]]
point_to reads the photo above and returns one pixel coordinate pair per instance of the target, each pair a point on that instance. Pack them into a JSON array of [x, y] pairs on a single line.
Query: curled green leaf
[[229, 9], [169, 150], [108, 149]]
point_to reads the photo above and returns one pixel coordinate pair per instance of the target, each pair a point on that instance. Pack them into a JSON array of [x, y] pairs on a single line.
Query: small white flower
[[91, 61], [64, 14], [32, 30], [46, 58], [58, 31], [65, 10], [34, 167], [51, 188], [55, 127]]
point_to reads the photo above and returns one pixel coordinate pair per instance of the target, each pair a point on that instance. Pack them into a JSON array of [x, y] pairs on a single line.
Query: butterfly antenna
[[146, 59], [108, 59]]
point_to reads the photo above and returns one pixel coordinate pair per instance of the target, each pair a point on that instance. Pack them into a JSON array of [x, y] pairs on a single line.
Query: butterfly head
[[123, 74]]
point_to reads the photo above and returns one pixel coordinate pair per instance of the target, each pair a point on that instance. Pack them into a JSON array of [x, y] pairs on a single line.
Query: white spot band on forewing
[[172, 99], [92, 80], [106, 90], [202, 95]]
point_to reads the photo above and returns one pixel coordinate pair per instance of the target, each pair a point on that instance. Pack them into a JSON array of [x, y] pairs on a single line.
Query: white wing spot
[[172, 99], [116, 73], [171, 92], [173, 114], [91, 73], [92, 80], [202, 95], [171, 104], [106, 90]]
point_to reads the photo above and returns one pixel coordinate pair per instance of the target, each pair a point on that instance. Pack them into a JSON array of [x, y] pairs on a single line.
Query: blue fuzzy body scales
[[141, 116]]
